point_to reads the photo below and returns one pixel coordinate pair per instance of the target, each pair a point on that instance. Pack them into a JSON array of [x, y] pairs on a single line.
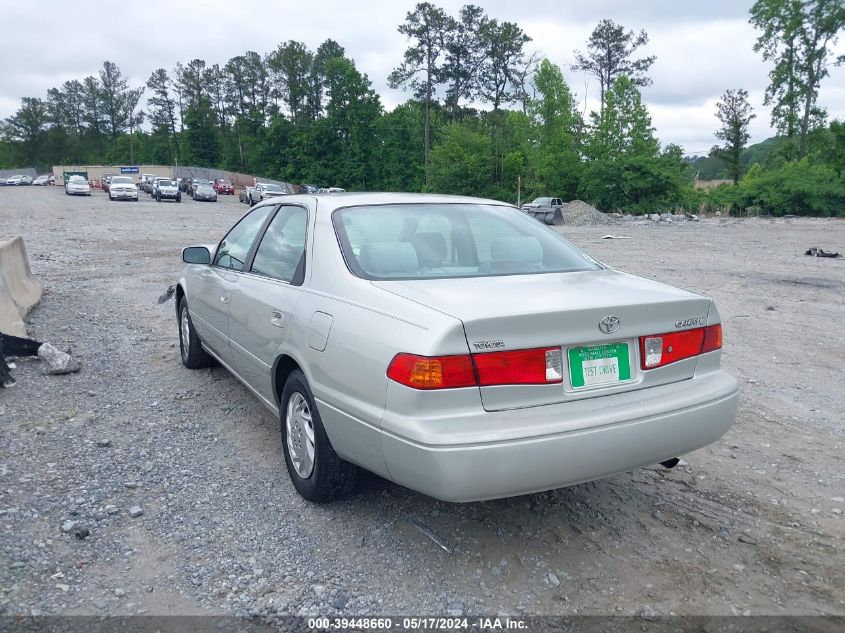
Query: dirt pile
[[579, 213]]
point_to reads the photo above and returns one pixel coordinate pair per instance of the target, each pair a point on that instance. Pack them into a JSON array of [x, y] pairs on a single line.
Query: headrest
[[430, 248]]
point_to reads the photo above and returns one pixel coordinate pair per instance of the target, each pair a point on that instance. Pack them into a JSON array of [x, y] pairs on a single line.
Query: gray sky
[[702, 48]]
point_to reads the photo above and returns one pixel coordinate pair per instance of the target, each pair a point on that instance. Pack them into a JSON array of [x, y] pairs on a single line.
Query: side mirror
[[196, 255]]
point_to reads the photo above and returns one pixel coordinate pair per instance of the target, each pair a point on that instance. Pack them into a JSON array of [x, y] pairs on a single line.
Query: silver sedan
[[453, 345]]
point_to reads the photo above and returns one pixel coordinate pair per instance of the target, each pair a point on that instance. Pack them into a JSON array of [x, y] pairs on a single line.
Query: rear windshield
[[272, 188], [430, 241]]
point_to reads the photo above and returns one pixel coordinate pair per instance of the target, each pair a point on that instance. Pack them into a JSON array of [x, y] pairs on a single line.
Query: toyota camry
[[453, 345]]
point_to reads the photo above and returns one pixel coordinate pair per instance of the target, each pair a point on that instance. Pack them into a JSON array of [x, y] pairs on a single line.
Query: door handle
[[224, 299], [278, 318]]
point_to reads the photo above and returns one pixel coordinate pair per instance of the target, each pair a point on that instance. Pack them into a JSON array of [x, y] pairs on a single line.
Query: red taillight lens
[[663, 349], [712, 338], [521, 367], [439, 372]]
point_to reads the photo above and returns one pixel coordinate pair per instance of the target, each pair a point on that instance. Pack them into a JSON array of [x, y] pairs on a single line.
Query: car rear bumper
[[596, 438]]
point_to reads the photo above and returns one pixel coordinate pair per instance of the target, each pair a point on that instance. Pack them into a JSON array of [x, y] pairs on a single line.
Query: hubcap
[[300, 432], [186, 332]]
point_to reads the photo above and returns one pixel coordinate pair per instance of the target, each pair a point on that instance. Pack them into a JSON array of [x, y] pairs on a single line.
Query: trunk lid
[[563, 309]]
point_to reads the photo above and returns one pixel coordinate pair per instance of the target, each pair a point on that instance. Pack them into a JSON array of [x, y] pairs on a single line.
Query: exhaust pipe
[[670, 463]]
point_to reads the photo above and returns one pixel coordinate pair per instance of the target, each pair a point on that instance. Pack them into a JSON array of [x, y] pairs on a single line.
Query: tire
[[158, 198], [110, 198], [329, 477], [179, 198], [193, 355]]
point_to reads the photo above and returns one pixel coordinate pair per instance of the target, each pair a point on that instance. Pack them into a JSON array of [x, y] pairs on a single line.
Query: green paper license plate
[[599, 365]]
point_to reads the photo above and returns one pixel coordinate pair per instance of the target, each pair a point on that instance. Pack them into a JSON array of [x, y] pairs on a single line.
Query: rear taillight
[[432, 372], [712, 338], [658, 350], [521, 367]]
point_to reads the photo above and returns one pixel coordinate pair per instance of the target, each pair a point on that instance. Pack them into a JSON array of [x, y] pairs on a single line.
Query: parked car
[[452, 345], [122, 188], [146, 182], [308, 188], [205, 192], [41, 181], [335, 190], [185, 185], [19, 180], [243, 194], [196, 182], [265, 190], [166, 189], [224, 186], [105, 179], [77, 186], [548, 210]]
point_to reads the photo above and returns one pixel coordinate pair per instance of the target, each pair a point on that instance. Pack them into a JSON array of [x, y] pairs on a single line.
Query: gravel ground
[[752, 524]]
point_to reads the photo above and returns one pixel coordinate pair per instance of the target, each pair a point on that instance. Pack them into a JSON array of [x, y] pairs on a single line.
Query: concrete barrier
[[19, 290]]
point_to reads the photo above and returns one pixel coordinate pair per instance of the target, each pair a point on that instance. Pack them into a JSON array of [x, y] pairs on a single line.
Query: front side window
[[235, 246], [282, 249], [433, 241]]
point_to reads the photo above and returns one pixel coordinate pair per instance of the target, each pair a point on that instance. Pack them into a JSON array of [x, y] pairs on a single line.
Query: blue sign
[[128, 170]]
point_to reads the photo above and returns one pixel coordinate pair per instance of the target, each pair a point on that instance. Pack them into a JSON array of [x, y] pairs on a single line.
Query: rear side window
[[235, 246], [431, 241]]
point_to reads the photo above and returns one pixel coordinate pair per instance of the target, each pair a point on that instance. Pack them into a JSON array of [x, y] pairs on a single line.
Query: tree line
[[485, 116]]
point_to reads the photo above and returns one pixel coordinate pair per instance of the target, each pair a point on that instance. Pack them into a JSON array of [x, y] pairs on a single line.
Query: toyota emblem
[[609, 324]]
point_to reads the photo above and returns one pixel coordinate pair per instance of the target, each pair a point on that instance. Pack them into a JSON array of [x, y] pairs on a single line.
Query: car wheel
[[193, 355], [178, 198], [317, 472], [158, 198]]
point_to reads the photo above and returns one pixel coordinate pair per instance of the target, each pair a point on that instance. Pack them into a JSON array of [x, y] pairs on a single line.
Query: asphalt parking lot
[[750, 525]]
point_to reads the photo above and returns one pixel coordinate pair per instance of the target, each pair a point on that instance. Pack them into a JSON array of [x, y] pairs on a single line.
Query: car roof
[[355, 199]]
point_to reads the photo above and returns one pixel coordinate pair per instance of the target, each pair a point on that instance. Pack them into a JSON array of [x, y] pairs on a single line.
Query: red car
[[223, 185]]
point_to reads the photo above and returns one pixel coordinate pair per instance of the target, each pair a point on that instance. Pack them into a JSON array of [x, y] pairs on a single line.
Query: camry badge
[[609, 324]]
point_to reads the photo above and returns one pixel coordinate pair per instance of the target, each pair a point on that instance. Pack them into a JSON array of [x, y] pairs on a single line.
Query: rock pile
[[579, 213]]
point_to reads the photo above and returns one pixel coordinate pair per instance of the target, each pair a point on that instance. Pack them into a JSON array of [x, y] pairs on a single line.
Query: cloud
[[702, 48]]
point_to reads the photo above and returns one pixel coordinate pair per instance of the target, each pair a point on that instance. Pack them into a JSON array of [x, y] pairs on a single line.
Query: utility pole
[[519, 191]]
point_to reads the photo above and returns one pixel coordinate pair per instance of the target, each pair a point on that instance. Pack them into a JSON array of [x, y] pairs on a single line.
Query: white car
[[19, 180], [123, 188], [77, 186], [41, 181]]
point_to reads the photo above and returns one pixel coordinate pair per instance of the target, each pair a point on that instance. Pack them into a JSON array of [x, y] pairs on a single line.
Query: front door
[[262, 308], [217, 282]]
